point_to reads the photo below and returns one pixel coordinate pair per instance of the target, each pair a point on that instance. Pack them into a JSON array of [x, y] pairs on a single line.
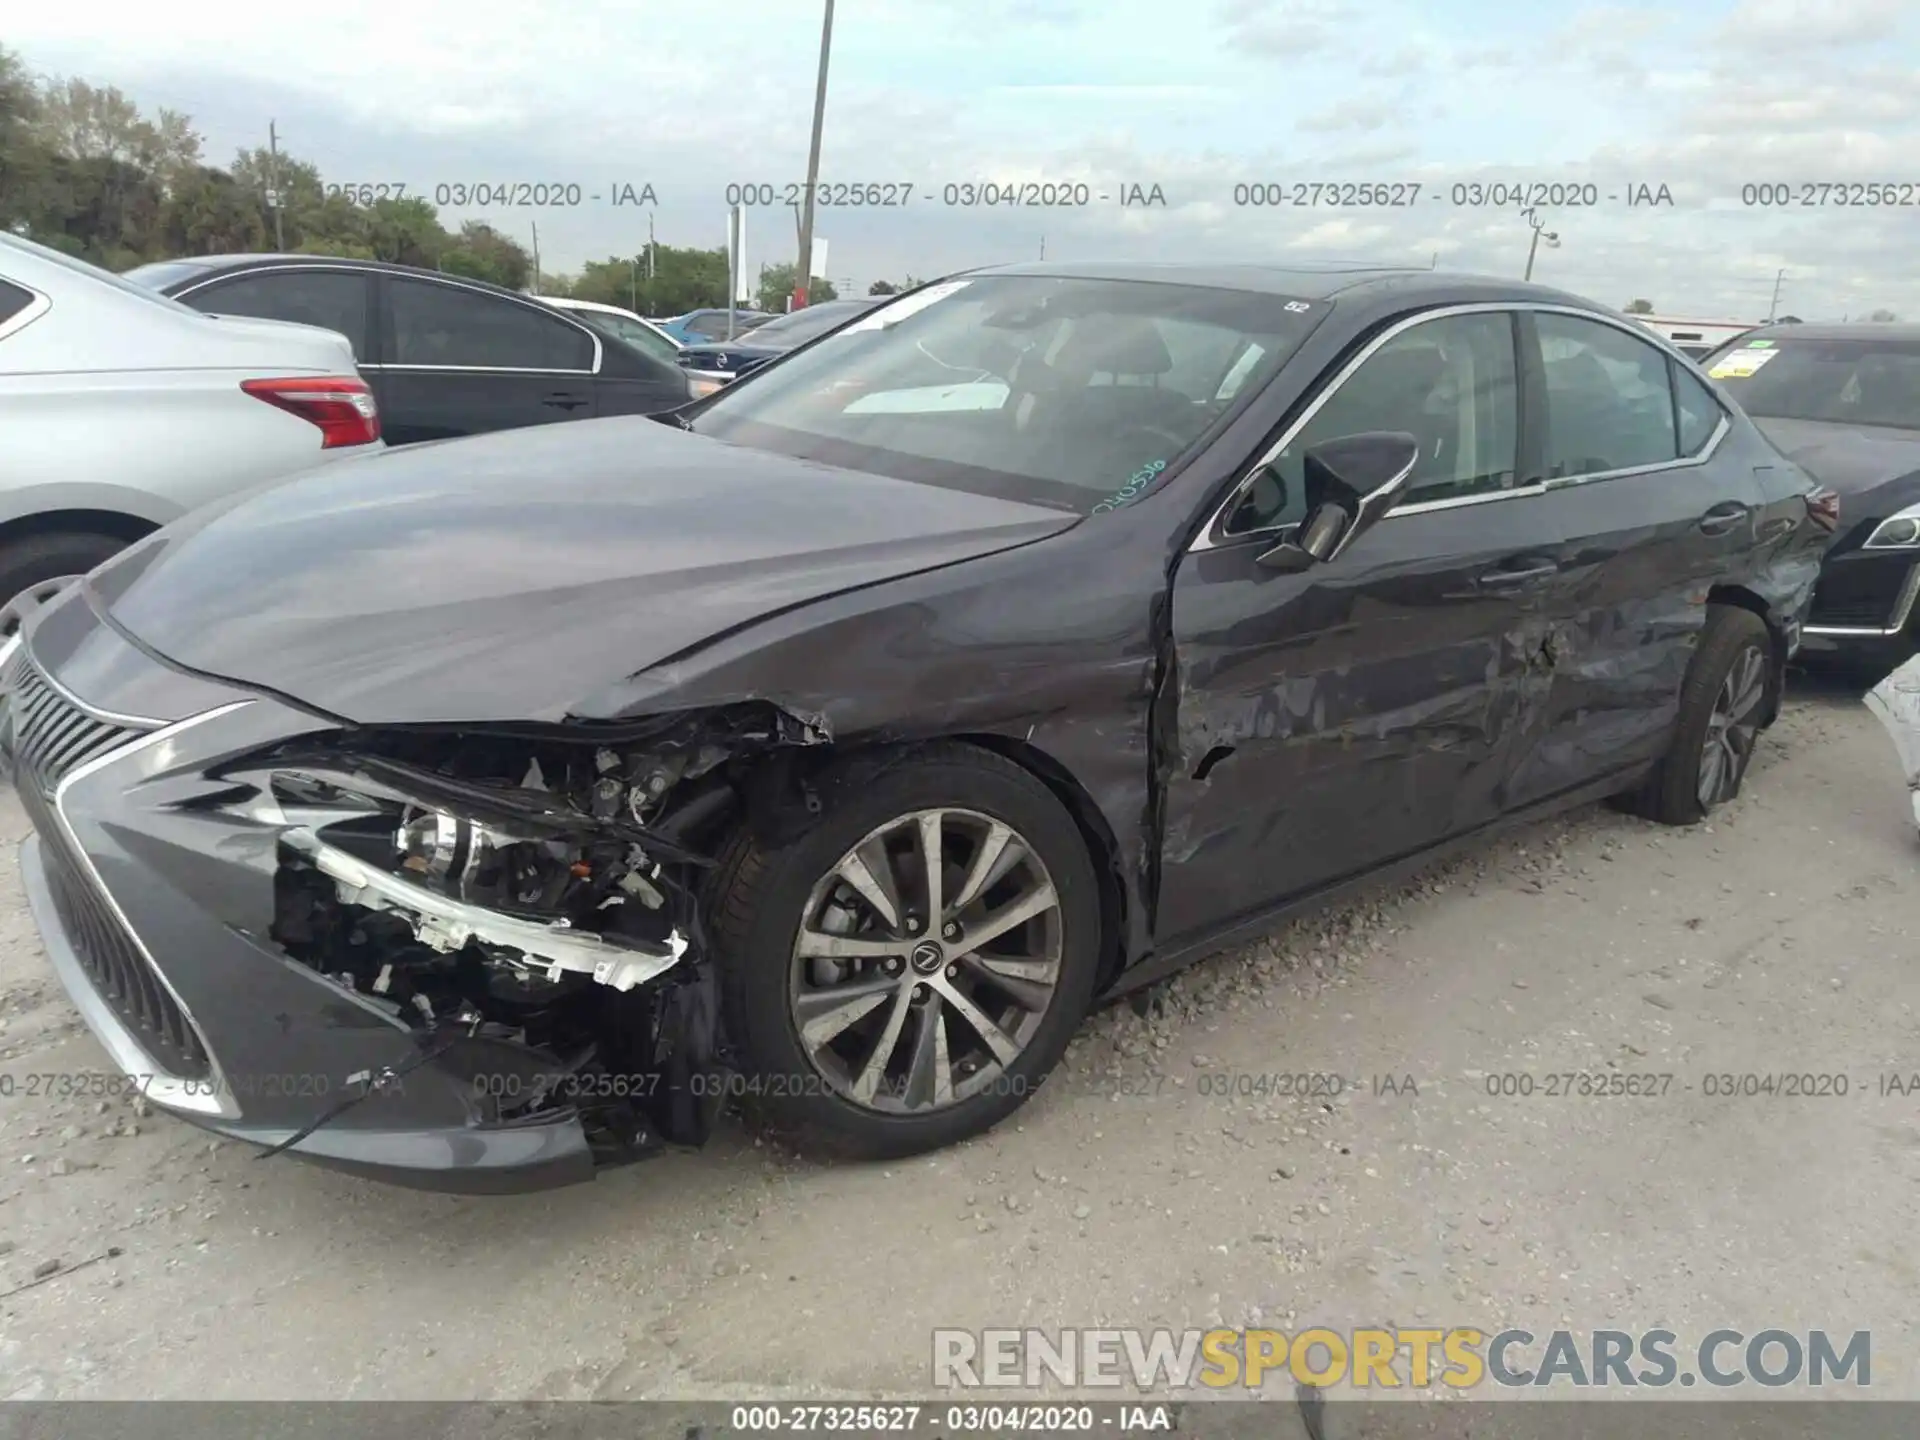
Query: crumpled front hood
[[510, 576]]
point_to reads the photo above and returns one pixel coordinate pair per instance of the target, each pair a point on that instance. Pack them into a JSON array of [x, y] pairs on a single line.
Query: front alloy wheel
[[926, 960], [905, 970]]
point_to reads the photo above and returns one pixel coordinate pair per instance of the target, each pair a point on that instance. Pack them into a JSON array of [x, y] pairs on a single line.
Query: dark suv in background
[[445, 356]]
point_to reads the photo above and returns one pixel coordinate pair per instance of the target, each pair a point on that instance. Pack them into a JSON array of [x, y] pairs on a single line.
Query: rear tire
[[938, 1077], [1728, 688], [33, 562]]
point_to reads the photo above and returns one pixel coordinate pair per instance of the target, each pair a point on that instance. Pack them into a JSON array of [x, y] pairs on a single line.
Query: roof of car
[[1305, 282], [1855, 330], [211, 263]]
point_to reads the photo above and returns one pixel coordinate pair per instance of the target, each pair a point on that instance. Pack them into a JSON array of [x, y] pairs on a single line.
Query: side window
[[447, 325], [714, 327], [1451, 383], [13, 299], [331, 299], [1696, 412], [1609, 403]]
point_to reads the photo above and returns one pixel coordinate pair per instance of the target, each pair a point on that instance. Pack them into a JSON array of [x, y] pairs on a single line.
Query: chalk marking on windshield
[[1132, 490]]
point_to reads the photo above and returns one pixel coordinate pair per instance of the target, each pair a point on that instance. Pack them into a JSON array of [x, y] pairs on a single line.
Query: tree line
[[84, 171]]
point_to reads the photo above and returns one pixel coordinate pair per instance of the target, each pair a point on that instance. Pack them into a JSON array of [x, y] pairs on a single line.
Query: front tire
[[875, 1014], [1722, 704]]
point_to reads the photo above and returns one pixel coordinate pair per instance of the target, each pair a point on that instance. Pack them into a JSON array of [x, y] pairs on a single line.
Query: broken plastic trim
[[446, 924]]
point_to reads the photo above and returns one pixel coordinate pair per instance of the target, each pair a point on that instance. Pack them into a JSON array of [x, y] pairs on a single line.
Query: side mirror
[[1350, 483]]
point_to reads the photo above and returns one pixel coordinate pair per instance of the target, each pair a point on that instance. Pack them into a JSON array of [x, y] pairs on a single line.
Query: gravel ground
[[1777, 938]]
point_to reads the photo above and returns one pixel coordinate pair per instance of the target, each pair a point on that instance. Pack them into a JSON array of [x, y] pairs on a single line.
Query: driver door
[[1367, 707]]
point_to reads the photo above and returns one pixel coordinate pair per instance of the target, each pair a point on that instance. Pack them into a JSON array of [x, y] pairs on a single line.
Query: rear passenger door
[[457, 360], [1628, 441], [338, 300]]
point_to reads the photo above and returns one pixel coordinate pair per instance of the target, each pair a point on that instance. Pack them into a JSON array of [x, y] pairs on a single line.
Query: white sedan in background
[[121, 410]]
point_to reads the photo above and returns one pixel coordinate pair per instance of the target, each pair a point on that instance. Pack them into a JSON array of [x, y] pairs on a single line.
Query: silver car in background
[[121, 410]]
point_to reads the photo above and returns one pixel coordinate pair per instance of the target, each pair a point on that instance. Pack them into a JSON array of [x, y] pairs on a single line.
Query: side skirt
[[1159, 965]]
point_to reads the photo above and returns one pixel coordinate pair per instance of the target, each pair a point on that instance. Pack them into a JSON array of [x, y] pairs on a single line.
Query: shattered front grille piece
[[445, 924]]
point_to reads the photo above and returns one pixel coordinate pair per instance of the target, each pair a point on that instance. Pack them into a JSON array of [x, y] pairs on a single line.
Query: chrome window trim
[[319, 263], [199, 1097], [39, 305], [477, 370], [1902, 609], [1212, 536]]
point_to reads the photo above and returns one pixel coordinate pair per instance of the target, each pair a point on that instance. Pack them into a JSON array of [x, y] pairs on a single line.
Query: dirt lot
[[1778, 938]]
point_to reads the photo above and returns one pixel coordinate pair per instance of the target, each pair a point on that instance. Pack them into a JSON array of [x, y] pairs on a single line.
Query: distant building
[[1694, 338]]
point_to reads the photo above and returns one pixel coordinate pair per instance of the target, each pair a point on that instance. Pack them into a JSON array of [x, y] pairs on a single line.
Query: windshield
[[1074, 393], [803, 325], [1856, 381]]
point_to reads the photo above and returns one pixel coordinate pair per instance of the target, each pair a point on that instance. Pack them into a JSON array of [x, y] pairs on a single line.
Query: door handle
[[1507, 579], [1724, 517], [562, 400]]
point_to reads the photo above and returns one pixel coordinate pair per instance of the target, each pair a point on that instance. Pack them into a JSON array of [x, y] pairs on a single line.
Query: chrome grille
[[52, 736]]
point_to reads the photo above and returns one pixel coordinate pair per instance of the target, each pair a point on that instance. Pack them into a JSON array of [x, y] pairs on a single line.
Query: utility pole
[[1773, 307], [1043, 247], [273, 182], [805, 277], [1539, 230], [652, 245], [536, 257]]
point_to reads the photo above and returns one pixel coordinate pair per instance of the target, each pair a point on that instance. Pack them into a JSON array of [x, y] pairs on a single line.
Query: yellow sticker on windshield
[[1740, 364]]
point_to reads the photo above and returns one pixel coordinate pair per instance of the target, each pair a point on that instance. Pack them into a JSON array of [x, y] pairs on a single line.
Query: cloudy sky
[[1706, 99]]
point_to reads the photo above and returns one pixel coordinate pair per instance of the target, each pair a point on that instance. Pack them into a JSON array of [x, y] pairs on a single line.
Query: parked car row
[[857, 725], [719, 362], [446, 356]]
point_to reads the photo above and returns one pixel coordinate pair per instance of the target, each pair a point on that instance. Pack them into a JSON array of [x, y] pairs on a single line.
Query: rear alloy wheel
[[29, 600], [937, 938], [1723, 706], [35, 568], [1732, 728]]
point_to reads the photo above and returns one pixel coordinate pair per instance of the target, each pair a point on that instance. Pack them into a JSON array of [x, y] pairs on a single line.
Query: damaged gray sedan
[[477, 814]]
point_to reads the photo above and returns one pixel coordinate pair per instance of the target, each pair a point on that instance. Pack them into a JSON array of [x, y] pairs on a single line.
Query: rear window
[[162, 273], [95, 273], [1856, 381], [13, 300]]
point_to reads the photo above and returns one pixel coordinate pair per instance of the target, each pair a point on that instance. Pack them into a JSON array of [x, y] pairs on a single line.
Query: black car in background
[[445, 356], [714, 363], [859, 727], [1844, 402]]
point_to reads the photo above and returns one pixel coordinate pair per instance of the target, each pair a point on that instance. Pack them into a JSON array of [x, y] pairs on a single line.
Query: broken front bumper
[[155, 904]]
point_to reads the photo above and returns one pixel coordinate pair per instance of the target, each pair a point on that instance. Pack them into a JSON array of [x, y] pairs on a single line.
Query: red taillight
[[1823, 505], [342, 407]]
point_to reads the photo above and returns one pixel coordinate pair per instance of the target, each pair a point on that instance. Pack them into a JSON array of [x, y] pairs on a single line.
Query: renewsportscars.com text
[[1460, 1358]]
